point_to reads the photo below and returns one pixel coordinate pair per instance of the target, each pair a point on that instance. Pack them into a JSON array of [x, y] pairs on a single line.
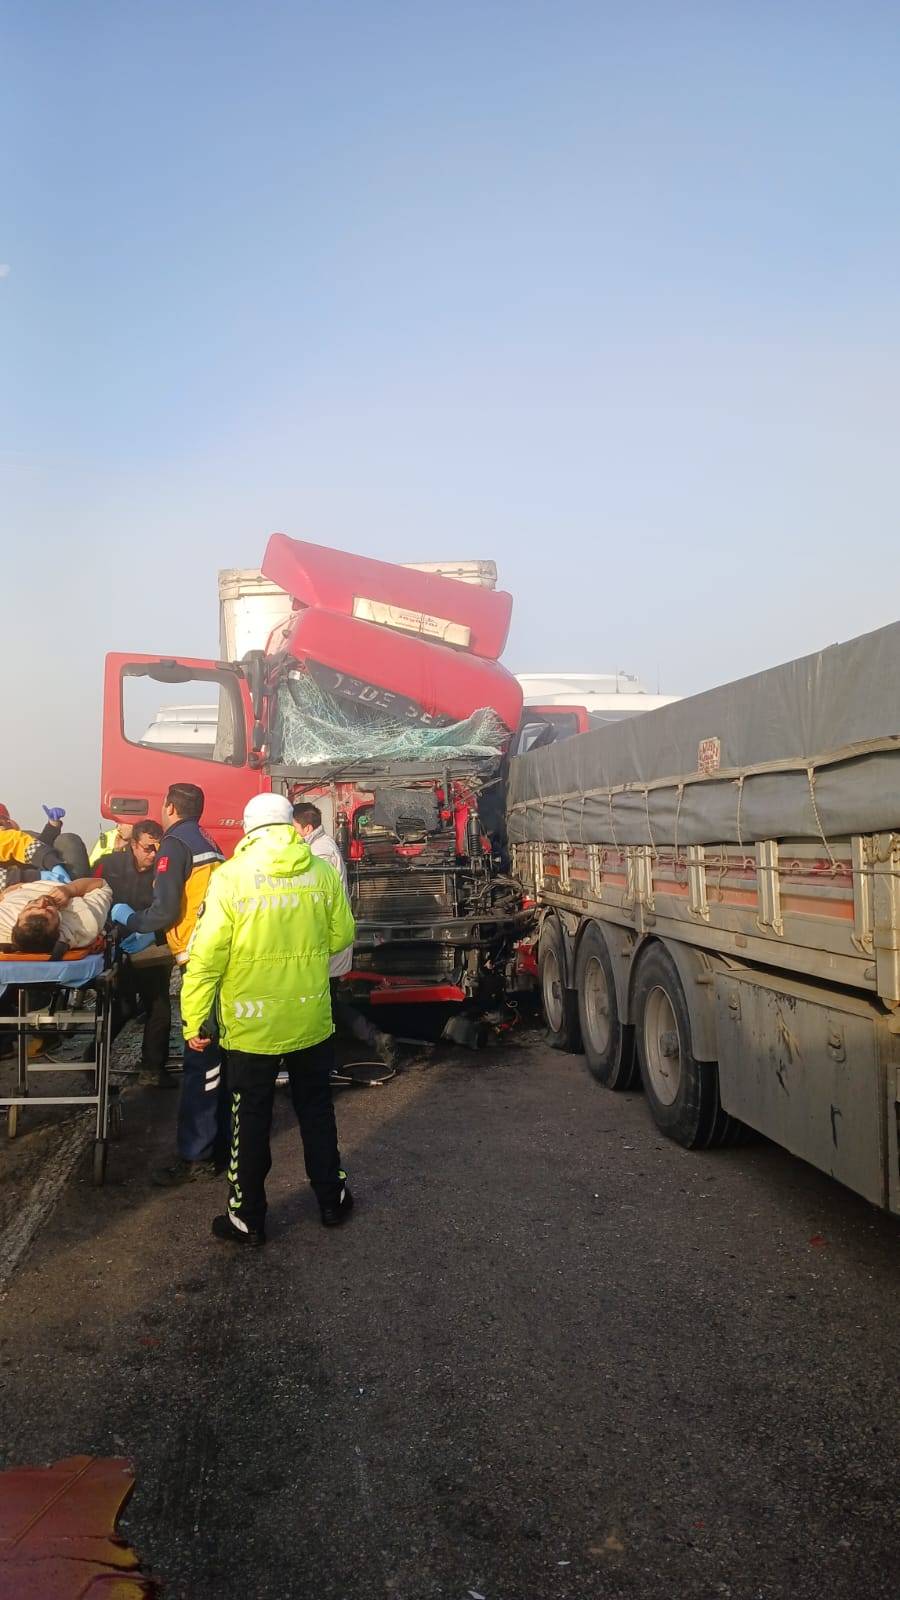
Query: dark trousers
[[146, 988], [351, 1023], [204, 1112], [70, 848], [251, 1079]]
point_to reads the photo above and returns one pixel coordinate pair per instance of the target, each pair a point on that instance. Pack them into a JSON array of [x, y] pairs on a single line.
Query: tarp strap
[[649, 829], [677, 819], [740, 801], [612, 821], [723, 869], [811, 776]]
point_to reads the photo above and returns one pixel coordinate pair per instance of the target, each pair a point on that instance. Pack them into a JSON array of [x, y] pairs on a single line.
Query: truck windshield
[[345, 719]]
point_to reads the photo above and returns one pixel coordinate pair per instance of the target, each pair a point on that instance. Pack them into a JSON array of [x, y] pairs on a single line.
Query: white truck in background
[[605, 696]]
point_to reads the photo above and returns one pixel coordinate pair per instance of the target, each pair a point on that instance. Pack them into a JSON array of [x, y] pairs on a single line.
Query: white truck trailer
[[605, 696], [717, 887]]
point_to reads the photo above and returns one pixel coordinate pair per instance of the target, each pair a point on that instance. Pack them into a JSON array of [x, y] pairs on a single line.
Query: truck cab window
[[200, 716]]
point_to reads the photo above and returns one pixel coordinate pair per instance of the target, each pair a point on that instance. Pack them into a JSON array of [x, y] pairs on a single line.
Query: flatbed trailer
[[752, 983]]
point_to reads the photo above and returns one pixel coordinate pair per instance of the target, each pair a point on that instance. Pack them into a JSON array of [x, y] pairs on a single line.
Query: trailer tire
[[607, 1043], [726, 1129], [682, 1093], [558, 1003]]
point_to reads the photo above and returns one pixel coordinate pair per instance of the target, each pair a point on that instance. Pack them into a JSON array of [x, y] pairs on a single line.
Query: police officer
[[274, 916]]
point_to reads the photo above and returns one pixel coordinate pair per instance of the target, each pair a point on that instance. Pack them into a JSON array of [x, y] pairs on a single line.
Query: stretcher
[[51, 998]]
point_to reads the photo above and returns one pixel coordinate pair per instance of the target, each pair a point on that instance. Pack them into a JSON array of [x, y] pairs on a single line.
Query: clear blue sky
[[609, 293]]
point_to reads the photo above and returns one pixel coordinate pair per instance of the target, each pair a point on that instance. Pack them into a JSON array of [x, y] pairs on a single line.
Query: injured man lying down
[[50, 918]]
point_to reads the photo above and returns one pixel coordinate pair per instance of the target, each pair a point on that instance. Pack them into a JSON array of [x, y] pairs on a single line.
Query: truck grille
[[427, 963], [395, 895]]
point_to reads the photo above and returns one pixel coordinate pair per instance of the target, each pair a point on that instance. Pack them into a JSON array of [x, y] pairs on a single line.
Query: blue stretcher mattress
[[71, 974]]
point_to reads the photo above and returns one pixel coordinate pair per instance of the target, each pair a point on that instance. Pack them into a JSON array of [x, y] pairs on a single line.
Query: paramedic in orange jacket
[[186, 859]]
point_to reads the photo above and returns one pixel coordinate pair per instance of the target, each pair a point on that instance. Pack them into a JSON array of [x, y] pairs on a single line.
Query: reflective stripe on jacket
[[185, 862], [273, 917]]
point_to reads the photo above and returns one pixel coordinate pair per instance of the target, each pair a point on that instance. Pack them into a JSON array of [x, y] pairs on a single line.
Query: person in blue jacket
[[186, 859]]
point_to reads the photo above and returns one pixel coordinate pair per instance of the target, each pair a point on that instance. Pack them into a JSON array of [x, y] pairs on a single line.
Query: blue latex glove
[[56, 875], [121, 913], [54, 813], [136, 942]]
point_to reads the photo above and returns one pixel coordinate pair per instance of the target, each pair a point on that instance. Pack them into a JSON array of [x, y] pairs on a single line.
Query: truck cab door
[[184, 721]]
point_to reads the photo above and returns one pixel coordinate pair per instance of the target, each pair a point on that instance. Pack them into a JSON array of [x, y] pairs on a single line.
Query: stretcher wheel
[[99, 1161], [12, 1121], [114, 1119]]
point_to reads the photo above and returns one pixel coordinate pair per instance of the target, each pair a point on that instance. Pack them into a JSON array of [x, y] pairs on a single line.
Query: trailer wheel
[[560, 1005], [726, 1129], [683, 1093], [608, 1044]]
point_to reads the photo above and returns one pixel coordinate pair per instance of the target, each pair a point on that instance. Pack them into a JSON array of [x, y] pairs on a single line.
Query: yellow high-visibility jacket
[[274, 916], [105, 846], [18, 846]]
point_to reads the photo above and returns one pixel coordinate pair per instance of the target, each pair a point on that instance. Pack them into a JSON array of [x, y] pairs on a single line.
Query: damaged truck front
[[380, 699]]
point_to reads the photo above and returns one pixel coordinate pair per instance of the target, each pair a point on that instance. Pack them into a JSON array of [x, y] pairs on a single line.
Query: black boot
[[156, 1078], [182, 1171], [233, 1231], [336, 1211]]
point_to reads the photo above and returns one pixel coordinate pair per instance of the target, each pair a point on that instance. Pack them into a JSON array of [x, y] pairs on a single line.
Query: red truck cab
[[381, 699], [434, 919]]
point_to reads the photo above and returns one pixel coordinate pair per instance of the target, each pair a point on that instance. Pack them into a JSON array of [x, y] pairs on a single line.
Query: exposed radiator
[[432, 963], [398, 895]]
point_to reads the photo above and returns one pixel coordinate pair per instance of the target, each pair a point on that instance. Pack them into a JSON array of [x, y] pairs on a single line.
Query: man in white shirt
[[308, 822], [38, 918]]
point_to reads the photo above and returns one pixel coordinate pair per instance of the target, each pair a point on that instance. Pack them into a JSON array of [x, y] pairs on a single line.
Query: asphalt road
[[552, 1356]]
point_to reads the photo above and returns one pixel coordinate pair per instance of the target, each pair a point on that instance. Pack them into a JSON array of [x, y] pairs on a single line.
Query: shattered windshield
[[322, 715]]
